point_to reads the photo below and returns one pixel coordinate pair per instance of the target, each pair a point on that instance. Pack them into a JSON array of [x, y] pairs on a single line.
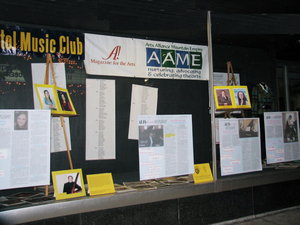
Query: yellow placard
[[202, 173], [100, 184]]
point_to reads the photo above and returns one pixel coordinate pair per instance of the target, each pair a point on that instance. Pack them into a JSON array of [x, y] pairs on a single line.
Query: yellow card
[[100, 184], [202, 173]]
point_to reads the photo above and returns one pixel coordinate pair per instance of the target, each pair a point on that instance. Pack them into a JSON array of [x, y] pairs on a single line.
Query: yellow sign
[[100, 184], [202, 173]]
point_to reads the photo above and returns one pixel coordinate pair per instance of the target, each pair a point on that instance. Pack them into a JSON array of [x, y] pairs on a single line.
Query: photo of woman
[[48, 103], [64, 101], [242, 100], [21, 120]]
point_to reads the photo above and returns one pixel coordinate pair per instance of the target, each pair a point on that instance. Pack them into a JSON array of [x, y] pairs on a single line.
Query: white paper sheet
[[100, 119], [165, 146], [24, 148], [143, 102]]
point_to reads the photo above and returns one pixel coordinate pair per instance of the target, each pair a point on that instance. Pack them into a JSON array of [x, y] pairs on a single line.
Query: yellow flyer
[[100, 184], [202, 173]]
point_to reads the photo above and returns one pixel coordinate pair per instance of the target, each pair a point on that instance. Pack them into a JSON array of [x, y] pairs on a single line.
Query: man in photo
[[71, 187], [223, 99]]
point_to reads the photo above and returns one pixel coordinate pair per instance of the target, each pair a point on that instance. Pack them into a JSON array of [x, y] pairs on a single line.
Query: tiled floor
[[286, 217]]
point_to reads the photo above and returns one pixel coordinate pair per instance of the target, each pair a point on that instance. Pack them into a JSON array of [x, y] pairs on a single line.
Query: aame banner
[[32, 42], [117, 56]]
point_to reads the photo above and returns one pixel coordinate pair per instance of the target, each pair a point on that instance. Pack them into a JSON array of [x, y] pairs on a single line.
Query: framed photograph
[[55, 99], [223, 97], [65, 103], [241, 97], [68, 184], [47, 97], [232, 97]]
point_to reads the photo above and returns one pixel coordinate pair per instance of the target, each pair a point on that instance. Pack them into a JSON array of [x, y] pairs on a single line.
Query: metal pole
[[286, 89], [211, 91]]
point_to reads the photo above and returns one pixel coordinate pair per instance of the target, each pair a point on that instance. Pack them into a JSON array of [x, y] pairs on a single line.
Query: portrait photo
[[65, 103], [47, 96], [223, 97], [290, 126], [21, 120], [68, 184], [241, 97]]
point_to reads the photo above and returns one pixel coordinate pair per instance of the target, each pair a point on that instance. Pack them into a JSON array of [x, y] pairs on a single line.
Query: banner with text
[[32, 42], [129, 57]]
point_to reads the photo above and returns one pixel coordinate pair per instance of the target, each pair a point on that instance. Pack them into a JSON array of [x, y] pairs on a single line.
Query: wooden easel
[[231, 82], [46, 81]]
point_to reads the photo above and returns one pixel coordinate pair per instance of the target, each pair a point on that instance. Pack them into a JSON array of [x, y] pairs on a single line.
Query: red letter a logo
[[115, 53]]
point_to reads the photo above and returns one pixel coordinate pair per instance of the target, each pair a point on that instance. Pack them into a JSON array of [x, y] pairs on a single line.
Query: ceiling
[[271, 25]]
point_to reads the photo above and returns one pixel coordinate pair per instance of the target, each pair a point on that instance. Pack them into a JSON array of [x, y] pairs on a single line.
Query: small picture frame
[[68, 184], [241, 97], [56, 99], [47, 97], [65, 104], [223, 97]]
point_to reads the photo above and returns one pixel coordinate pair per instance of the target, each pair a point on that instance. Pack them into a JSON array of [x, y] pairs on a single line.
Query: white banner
[[129, 57]]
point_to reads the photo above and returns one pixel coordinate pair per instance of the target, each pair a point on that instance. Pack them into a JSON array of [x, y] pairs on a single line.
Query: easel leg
[[66, 139]]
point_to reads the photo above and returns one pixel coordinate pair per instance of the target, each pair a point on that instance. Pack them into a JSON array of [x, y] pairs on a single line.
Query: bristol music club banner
[[129, 57], [33, 42]]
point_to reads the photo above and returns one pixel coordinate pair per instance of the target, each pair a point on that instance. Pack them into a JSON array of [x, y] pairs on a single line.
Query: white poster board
[[143, 102], [240, 150], [58, 142], [100, 119], [24, 148], [165, 146], [282, 136]]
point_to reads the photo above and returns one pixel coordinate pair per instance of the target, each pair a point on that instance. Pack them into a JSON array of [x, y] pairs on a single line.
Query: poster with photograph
[[240, 150], [282, 136], [68, 184], [24, 148], [165, 146]]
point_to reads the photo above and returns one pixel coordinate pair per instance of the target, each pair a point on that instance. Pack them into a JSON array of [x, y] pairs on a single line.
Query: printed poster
[[24, 148], [240, 150], [282, 136], [165, 146]]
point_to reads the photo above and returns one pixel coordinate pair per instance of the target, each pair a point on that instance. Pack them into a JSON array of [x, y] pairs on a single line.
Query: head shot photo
[[223, 96], [21, 120]]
